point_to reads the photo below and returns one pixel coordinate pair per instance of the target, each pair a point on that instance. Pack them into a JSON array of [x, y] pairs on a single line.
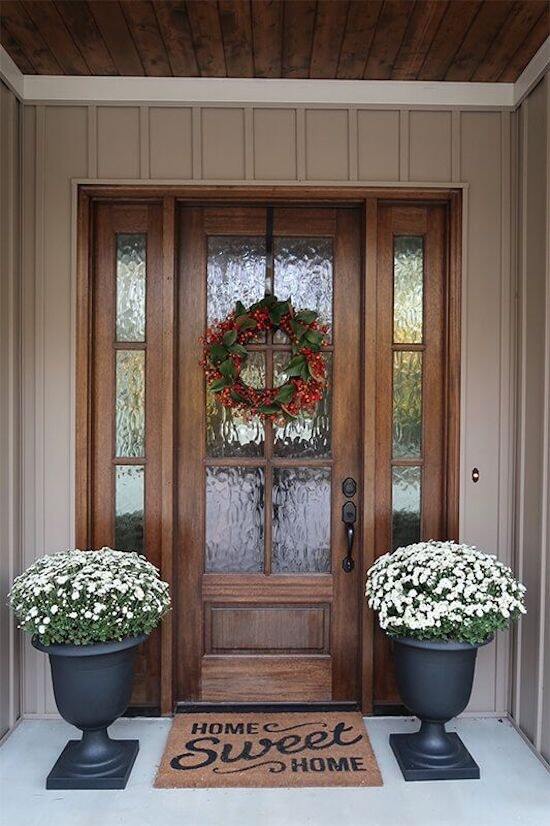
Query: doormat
[[268, 750]]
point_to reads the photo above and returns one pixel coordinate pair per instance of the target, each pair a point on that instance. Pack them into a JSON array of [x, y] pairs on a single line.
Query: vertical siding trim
[[404, 145], [196, 140], [455, 145], [249, 143], [545, 516], [14, 389], [39, 360], [353, 146], [522, 264], [506, 398], [301, 143], [92, 141], [144, 142]]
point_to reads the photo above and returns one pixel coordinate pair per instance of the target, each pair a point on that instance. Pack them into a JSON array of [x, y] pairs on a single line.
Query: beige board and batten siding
[[10, 418], [267, 144], [531, 704]]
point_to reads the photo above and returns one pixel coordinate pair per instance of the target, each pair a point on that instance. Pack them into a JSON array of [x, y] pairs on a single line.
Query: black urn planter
[[92, 686], [434, 678]]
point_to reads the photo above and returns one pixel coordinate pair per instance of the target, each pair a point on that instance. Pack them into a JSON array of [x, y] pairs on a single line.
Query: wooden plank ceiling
[[454, 40]]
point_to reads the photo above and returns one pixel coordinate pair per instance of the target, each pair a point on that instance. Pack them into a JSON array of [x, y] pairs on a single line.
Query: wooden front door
[[266, 611]]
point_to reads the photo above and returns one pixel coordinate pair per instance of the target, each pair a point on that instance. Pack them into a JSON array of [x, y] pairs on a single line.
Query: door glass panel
[[301, 520], [131, 255], [408, 288], [406, 483], [304, 437], [234, 519], [303, 272], [407, 403], [129, 502], [130, 403], [227, 432], [235, 272]]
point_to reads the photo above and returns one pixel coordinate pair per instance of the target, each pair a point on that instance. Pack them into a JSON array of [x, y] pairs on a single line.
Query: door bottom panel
[[261, 678]]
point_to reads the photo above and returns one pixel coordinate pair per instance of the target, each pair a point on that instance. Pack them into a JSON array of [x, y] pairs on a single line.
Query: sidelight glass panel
[[131, 263], [407, 404], [130, 403], [229, 434], [406, 485], [303, 270], [304, 437], [129, 507], [234, 519], [235, 272], [408, 288], [301, 520]]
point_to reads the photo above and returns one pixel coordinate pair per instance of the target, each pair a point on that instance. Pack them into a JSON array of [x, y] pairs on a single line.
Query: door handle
[[349, 516]]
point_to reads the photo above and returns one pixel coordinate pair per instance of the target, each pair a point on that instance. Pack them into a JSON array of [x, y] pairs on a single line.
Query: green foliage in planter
[[83, 597], [443, 590]]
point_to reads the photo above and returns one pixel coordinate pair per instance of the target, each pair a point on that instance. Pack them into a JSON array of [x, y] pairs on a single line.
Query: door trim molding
[[352, 195]]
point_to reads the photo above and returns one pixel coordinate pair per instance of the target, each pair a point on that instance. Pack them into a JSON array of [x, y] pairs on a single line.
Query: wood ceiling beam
[[267, 37], [143, 26], [176, 32], [52, 28], [116, 35]]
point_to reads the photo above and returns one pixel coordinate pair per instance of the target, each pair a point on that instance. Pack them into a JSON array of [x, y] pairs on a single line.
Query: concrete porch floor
[[514, 787]]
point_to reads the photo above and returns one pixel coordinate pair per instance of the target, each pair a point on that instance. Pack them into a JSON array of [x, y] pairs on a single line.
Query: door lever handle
[[349, 515]]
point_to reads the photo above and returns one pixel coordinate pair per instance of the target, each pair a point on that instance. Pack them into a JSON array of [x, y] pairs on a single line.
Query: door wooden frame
[[365, 197]]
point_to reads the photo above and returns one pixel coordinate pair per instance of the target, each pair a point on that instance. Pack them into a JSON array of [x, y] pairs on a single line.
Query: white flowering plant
[[444, 591], [84, 597]]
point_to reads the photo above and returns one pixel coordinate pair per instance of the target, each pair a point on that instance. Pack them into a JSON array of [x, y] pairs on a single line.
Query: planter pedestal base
[[449, 760], [95, 762]]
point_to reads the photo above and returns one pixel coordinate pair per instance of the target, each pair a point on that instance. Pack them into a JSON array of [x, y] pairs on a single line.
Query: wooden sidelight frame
[[369, 200]]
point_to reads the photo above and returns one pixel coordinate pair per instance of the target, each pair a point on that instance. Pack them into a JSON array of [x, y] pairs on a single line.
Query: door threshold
[[284, 708]]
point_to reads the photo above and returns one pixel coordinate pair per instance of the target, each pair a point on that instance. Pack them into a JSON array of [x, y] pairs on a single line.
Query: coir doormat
[[268, 750]]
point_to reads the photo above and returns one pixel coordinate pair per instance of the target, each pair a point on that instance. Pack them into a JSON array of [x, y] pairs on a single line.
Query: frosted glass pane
[[130, 403], [304, 436], [228, 433], [129, 500], [131, 263], [303, 273], [406, 483], [301, 520], [407, 404], [408, 288], [236, 272], [234, 519]]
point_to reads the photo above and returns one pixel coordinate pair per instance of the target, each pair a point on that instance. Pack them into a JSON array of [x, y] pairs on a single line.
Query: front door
[[266, 612]]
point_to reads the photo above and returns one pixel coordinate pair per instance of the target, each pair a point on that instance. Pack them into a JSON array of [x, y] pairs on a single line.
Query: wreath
[[225, 355]]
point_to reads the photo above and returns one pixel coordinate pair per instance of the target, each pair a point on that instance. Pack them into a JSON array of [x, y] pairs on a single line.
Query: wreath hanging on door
[[225, 355]]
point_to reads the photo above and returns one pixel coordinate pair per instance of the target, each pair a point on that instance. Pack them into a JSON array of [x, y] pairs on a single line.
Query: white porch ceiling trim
[[169, 90]]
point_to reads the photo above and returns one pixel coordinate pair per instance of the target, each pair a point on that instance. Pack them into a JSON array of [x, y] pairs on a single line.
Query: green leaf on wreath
[[285, 393], [238, 397], [299, 329], [240, 309], [238, 350], [230, 338], [307, 316], [277, 312], [295, 366], [227, 369], [304, 372], [217, 353], [269, 409], [244, 322], [314, 337], [218, 385]]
